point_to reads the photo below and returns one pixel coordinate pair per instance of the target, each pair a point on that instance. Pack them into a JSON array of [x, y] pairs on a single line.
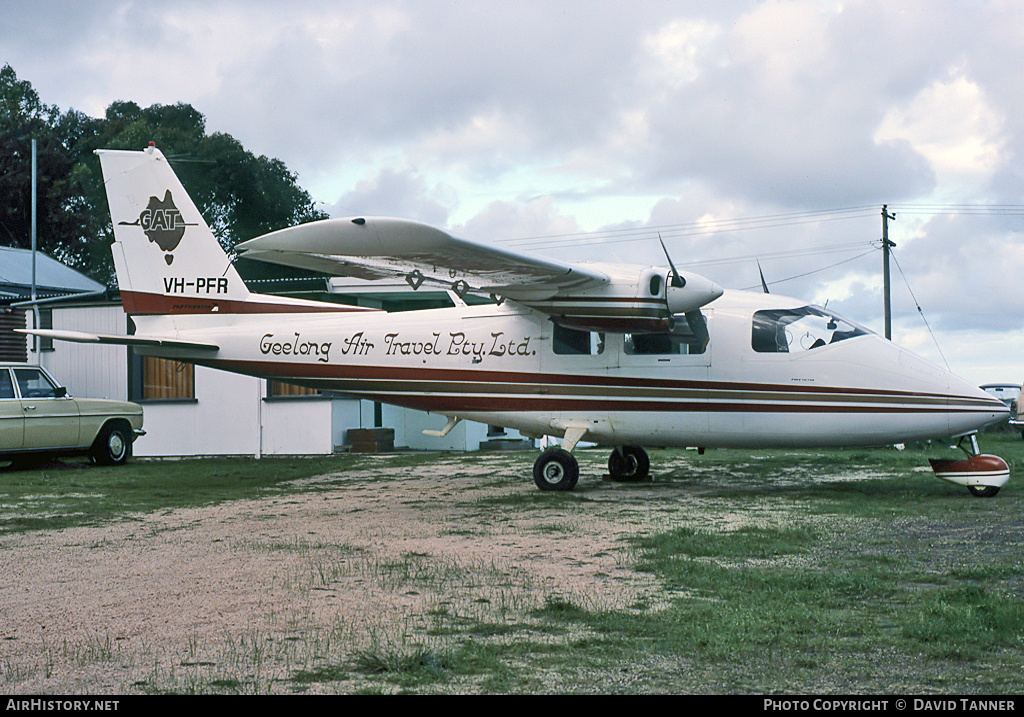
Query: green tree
[[24, 118], [239, 194]]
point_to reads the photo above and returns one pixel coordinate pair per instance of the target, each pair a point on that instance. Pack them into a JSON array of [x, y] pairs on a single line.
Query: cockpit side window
[[795, 330]]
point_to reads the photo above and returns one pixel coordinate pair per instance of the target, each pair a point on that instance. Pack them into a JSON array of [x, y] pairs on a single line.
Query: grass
[[62, 494], [850, 572]]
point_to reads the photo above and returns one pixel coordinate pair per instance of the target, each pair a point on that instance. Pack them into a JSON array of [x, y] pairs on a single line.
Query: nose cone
[[971, 408], [940, 404], [697, 291]]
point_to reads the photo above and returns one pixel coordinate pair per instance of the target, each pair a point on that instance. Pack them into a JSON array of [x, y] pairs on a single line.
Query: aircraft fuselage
[[770, 372]]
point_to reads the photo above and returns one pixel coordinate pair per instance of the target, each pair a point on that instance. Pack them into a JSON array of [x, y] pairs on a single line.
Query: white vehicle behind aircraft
[[624, 356]]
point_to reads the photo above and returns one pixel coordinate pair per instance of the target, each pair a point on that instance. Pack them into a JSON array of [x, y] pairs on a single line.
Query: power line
[[969, 209], [817, 271], [695, 228], [789, 254], [765, 221]]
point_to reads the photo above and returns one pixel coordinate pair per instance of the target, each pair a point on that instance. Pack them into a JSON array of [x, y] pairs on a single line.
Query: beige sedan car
[[37, 417]]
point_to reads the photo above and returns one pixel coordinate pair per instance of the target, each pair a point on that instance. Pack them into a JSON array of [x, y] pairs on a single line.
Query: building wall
[[230, 414], [90, 371]]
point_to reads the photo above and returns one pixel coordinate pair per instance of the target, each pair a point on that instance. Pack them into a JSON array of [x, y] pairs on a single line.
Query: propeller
[[689, 293], [677, 280], [764, 285]]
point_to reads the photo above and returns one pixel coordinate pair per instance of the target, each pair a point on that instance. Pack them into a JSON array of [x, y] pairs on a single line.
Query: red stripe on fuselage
[[423, 388], [138, 303]]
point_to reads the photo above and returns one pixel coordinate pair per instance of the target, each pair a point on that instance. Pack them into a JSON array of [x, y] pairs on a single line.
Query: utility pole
[[886, 244], [35, 306]]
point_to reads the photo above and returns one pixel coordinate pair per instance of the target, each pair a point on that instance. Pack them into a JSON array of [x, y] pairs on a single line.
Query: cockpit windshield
[[803, 329]]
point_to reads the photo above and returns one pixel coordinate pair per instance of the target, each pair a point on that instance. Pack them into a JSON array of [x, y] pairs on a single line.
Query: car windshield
[[802, 329]]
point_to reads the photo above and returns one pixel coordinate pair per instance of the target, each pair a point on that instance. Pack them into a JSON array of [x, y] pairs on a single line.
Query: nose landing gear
[[982, 474]]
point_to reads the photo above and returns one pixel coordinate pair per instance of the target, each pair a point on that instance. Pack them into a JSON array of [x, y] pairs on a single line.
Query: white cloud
[[535, 118], [674, 54], [951, 124]]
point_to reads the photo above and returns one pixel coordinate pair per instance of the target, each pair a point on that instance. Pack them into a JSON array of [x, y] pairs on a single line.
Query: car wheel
[[113, 446]]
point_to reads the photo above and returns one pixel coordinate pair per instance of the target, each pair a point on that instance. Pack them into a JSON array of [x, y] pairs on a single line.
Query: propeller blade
[[677, 281]]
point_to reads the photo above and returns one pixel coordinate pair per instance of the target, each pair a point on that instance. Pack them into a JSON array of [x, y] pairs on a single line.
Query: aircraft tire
[[983, 491], [630, 465], [556, 469]]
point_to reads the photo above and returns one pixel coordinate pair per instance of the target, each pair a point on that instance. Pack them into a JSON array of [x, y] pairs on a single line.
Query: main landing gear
[[557, 469], [629, 464], [983, 475]]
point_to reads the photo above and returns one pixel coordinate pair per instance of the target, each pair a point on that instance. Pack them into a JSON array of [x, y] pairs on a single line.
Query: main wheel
[[113, 445], [983, 491], [630, 464], [556, 469]]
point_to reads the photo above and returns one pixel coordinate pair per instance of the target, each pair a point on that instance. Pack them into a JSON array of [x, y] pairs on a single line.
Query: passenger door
[[12, 419], [51, 418]]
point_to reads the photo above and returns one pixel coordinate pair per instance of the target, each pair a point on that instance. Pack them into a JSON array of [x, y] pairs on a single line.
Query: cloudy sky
[[742, 132]]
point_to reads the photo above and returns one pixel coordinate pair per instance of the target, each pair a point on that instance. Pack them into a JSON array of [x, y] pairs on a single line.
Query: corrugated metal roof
[[52, 277]]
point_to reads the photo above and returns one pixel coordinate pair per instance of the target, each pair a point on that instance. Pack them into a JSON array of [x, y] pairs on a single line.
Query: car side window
[[6, 385], [33, 383]]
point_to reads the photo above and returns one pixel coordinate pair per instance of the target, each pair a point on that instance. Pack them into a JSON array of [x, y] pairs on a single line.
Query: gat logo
[[162, 223]]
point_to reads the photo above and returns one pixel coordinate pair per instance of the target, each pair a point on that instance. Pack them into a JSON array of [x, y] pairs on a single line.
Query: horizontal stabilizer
[[87, 338]]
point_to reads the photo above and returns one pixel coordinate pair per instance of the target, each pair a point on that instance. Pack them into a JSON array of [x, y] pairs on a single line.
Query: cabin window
[[688, 336], [795, 330], [574, 342]]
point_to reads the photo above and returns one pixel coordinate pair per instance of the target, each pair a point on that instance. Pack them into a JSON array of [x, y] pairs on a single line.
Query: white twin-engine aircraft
[[624, 356]]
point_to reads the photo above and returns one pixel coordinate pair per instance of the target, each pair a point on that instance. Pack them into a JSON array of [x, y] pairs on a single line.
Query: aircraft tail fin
[[167, 259]]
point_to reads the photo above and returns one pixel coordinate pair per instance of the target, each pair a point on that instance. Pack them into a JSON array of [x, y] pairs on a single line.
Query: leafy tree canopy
[[240, 195]]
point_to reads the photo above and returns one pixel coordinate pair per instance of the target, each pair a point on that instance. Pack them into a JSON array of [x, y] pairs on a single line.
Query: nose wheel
[[983, 475]]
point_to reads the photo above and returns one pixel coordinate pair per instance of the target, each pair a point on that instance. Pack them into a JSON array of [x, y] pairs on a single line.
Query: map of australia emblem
[[162, 223]]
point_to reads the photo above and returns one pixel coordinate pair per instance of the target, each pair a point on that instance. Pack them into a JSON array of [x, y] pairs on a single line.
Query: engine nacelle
[[634, 301], [688, 292]]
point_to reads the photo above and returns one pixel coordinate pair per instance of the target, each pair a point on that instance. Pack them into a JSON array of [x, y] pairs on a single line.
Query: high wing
[[385, 247], [612, 298]]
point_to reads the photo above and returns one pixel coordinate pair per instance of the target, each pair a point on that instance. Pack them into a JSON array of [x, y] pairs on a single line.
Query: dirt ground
[[249, 592]]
